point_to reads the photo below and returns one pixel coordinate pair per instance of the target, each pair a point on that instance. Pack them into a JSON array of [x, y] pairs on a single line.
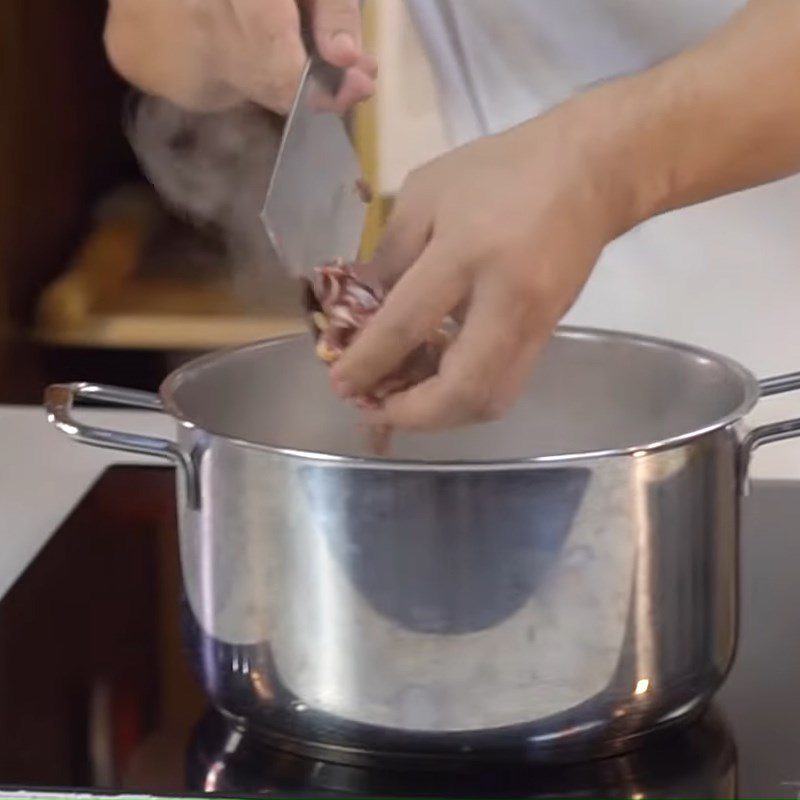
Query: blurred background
[[99, 280]]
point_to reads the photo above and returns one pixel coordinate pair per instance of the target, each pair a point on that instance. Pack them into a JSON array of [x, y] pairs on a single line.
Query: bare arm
[[718, 118], [513, 224]]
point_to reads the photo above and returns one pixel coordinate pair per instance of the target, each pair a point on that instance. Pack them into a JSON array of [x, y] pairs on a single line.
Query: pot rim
[[751, 394]]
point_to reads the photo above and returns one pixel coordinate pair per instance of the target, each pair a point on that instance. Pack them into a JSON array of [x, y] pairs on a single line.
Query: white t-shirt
[[725, 274], [499, 62]]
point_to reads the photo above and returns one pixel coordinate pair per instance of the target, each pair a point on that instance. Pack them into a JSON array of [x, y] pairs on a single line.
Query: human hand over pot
[[509, 228]]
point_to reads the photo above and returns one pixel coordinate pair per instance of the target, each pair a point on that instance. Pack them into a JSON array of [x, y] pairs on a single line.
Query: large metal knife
[[314, 212]]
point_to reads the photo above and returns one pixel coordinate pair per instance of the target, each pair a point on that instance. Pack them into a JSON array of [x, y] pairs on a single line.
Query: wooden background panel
[[61, 143]]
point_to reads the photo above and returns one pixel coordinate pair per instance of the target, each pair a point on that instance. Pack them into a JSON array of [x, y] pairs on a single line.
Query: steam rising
[[213, 169]]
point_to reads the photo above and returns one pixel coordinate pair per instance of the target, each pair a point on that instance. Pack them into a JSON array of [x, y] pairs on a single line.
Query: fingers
[[264, 56], [210, 55], [337, 30], [413, 309], [368, 64], [268, 22], [480, 375], [162, 48], [357, 85]]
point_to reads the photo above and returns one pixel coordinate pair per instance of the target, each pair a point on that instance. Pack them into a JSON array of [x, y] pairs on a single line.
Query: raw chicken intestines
[[340, 304]]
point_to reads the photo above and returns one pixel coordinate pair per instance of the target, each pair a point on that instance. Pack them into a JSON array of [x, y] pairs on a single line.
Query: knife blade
[[314, 212]]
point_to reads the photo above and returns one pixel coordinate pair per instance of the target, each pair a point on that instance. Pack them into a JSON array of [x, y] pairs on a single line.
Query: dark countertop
[[95, 691]]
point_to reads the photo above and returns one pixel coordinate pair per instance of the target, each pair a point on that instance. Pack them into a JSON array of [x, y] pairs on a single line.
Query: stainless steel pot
[[563, 580]]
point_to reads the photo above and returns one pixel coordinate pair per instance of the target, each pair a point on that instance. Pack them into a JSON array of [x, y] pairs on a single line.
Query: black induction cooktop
[[95, 692]]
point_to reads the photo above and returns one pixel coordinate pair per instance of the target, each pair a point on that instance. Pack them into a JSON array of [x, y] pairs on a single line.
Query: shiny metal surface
[[60, 399], [776, 431], [313, 212], [593, 394], [564, 580], [580, 602], [700, 762]]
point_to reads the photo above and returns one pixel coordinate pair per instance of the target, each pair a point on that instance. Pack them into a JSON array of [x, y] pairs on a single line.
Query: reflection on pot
[[443, 567], [697, 762]]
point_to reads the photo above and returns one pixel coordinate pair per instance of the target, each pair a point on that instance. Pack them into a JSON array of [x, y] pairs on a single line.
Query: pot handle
[[774, 431], [60, 398]]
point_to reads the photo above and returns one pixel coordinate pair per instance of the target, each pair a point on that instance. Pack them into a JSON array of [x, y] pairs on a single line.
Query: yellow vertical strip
[[365, 133]]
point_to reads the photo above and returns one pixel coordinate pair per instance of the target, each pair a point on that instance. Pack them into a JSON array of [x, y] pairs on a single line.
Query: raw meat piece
[[339, 305]]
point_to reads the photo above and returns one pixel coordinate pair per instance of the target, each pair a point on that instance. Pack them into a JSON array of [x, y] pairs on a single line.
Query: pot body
[[562, 582], [563, 604]]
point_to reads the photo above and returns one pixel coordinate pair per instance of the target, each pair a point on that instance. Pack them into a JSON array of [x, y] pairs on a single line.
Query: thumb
[[337, 30]]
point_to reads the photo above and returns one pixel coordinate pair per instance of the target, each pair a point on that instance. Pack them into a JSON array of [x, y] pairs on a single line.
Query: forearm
[[721, 117], [508, 228]]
